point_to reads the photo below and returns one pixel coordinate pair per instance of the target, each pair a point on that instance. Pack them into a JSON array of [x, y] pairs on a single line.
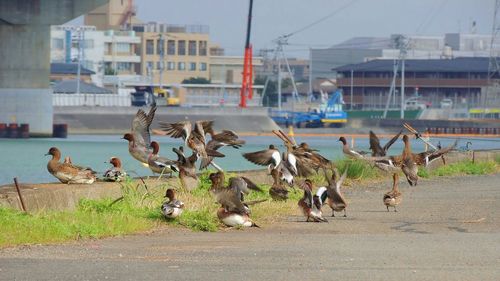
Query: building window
[[121, 66], [88, 43], [123, 48], [203, 66], [202, 48], [192, 48], [170, 65], [57, 43], [181, 66], [181, 48], [159, 65], [150, 47], [192, 66], [170, 47], [160, 48], [149, 67]]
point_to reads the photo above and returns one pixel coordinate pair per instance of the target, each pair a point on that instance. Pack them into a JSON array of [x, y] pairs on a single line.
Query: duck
[[409, 165], [278, 191], [240, 185], [466, 146], [67, 172], [186, 165], [393, 198], [116, 172], [376, 148], [158, 164], [310, 204], [139, 137], [173, 207], [351, 153], [331, 193], [193, 138], [222, 139]]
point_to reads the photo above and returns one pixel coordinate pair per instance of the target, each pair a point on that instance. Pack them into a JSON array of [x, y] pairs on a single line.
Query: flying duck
[[222, 139], [351, 153], [331, 193], [409, 164], [139, 138], [393, 198], [116, 172], [310, 205], [185, 165], [173, 207], [193, 138], [67, 172], [159, 164], [376, 148]]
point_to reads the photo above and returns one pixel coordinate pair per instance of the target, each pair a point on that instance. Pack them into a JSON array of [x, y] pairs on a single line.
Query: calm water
[[25, 158]]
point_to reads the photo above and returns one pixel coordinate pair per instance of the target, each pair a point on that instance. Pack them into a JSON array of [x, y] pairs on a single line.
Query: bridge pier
[[25, 93]]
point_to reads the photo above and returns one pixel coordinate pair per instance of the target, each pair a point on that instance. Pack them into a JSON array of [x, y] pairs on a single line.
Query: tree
[[196, 80]]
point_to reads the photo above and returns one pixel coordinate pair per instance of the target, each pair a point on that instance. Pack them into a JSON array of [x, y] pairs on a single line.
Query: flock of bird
[[288, 168]]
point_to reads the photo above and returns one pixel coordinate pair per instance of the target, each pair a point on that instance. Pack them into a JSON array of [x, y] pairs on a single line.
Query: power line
[[321, 19]]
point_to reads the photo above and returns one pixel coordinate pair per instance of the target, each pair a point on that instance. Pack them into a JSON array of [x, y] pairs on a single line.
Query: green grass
[[139, 208]]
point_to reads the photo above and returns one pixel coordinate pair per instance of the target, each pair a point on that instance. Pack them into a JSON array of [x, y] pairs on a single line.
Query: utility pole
[[493, 65], [279, 84], [403, 87], [78, 71], [310, 75], [162, 58], [352, 86]]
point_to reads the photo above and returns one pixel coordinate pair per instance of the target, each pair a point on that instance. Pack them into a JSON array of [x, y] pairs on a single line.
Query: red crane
[[246, 84]]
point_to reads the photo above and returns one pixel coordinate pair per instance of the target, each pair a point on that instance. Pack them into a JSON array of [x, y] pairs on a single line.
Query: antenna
[[493, 65]]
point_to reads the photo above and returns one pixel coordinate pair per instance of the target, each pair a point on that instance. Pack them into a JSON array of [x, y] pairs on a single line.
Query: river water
[[24, 158]]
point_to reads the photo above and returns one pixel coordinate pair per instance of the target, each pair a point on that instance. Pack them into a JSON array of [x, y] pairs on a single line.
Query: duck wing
[[391, 142], [180, 129], [243, 184], [141, 126], [230, 200], [264, 157], [228, 137], [375, 147]]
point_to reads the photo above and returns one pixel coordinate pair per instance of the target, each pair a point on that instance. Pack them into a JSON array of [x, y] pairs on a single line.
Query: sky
[[339, 20]]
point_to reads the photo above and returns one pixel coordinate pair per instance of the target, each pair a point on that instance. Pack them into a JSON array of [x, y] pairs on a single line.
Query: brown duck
[[376, 148], [310, 204], [393, 197], [139, 137], [67, 172]]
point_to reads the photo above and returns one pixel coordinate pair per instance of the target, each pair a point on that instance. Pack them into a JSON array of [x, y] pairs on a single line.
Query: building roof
[[477, 64], [69, 87], [365, 43], [69, 68]]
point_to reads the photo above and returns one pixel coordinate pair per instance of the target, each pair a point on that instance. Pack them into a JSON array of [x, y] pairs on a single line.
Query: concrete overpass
[[25, 94]]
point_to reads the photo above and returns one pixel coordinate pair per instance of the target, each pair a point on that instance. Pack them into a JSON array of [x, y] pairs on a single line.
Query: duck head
[[343, 140], [170, 194], [115, 161], [54, 151], [217, 179], [155, 146], [308, 185], [128, 136]]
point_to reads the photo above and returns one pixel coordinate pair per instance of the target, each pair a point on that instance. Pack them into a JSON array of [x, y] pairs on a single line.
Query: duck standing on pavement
[[310, 204], [139, 137], [393, 197], [332, 195], [173, 207], [116, 172], [66, 172]]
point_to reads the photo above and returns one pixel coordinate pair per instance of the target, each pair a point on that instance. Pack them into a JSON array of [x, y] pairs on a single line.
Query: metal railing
[[91, 100]]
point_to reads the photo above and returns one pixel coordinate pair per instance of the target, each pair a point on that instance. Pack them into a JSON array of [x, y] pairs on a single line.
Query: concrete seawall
[[57, 196], [117, 120]]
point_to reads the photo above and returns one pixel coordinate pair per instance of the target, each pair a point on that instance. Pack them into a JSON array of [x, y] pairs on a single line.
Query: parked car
[[446, 103]]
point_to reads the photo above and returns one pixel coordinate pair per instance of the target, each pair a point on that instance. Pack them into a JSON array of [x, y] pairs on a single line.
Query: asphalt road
[[446, 229]]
